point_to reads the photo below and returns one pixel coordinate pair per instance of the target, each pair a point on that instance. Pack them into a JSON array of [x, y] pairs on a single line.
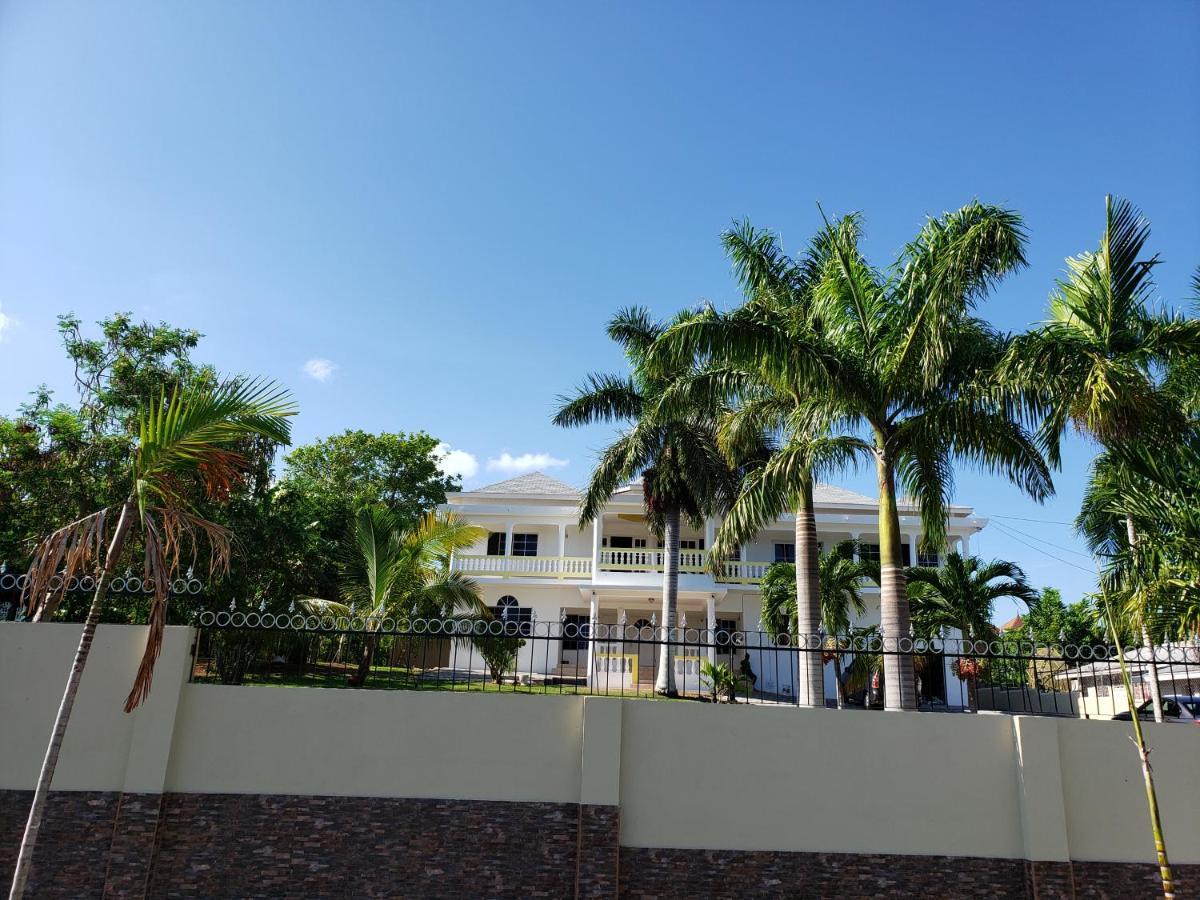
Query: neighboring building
[[538, 565]]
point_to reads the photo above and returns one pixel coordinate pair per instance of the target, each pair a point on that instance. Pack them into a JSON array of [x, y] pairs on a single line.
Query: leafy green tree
[[962, 593], [60, 461], [675, 453], [355, 468], [1096, 362], [1053, 622], [401, 570], [900, 357], [188, 439]]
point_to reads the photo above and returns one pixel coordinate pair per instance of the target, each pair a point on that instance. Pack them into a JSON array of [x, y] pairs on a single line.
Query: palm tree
[[185, 440], [961, 594], [684, 474], [899, 357], [390, 569], [1094, 362], [840, 579]]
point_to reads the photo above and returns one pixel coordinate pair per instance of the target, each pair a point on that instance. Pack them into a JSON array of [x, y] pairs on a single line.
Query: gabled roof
[[535, 483], [827, 493]]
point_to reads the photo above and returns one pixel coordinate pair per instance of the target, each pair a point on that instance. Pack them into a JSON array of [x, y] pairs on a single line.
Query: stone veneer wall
[[98, 844]]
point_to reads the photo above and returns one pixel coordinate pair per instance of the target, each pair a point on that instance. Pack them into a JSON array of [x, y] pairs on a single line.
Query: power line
[[1065, 562], [1008, 529], [1024, 519]]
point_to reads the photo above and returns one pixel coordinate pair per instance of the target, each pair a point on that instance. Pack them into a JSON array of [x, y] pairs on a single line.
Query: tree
[[961, 593], [683, 471], [1094, 362], [1053, 622], [401, 471], [901, 358], [60, 461], [185, 439], [840, 579], [400, 571]]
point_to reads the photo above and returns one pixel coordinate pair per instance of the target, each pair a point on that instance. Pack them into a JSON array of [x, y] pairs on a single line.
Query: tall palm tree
[[390, 569], [184, 440], [1095, 362], [900, 358], [962, 593], [676, 454], [840, 576]]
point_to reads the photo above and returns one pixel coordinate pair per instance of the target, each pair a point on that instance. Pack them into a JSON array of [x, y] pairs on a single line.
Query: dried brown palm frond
[[169, 532], [73, 550]]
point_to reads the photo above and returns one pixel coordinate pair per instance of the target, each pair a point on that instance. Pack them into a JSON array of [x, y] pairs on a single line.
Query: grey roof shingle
[[533, 483]]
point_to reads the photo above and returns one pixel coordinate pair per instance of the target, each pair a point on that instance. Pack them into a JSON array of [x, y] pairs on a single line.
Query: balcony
[[614, 561]]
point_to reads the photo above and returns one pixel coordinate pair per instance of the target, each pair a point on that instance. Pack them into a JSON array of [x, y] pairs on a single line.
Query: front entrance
[[574, 644]]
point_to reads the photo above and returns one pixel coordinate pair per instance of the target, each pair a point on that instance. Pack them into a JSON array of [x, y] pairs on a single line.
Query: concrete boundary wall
[[650, 776]]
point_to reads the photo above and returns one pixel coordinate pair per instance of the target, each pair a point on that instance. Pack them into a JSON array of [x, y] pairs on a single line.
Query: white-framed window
[[524, 545], [495, 545], [932, 560], [509, 609], [785, 553], [868, 551]]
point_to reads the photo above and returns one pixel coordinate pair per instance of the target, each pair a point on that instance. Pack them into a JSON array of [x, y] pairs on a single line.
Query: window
[[932, 560], [577, 627], [868, 552], [495, 543], [508, 609], [785, 553], [905, 554], [691, 544], [524, 545], [622, 542], [723, 637]]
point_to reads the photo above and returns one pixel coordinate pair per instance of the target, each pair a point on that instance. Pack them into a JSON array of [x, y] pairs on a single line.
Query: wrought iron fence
[[1003, 674], [79, 588]]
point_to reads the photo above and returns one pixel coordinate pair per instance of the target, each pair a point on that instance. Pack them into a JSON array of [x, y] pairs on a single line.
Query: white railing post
[[593, 615], [597, 541]]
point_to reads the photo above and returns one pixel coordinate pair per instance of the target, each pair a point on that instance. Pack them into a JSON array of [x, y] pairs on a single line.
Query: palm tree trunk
[[41, 794], [810, 688], [665, 683], [364, 662], [899, 684], [1160, 843], [1147, 642]]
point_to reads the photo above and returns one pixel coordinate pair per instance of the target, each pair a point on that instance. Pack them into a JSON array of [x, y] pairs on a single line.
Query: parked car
[[1175, 709]]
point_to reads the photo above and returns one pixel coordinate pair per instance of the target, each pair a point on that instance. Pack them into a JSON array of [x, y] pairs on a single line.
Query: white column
[[597, 541], [710, 532], [562, 541], [965, 542], [912, 548], [712, 629], [508, 539], [854, 537], [593, 617]]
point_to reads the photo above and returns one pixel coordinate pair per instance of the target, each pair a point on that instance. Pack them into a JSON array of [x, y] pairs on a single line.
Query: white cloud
[[456, 462], [526, 462], [5, 321], [320, 369]]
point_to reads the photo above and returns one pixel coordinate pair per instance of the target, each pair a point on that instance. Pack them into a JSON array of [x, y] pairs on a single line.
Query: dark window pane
[[496, 543], [524, 545], [785, 553]]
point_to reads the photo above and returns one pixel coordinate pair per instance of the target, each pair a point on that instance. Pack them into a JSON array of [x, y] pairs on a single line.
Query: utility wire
[[1065, 562], [1008, 529], [1024, 519]]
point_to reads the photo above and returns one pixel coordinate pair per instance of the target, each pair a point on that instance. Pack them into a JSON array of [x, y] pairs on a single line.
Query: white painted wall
[[684, 774]]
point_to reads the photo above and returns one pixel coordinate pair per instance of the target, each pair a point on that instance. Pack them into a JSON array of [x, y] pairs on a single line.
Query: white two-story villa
[[538, 565]]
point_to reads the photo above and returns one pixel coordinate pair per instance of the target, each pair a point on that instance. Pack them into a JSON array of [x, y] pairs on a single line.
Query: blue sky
[[445, 202]]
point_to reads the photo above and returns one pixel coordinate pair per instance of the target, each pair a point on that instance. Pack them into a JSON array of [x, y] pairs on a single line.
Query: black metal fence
[[722, 665], [77, 592]]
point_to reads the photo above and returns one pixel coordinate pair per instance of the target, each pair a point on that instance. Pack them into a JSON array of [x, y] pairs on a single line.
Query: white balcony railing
[[525, 566], [691, 562]]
